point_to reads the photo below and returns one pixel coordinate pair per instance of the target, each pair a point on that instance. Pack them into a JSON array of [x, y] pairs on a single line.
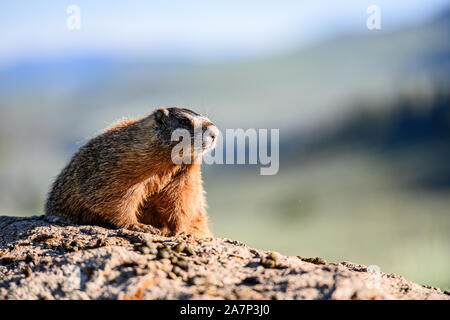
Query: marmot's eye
[[185, 122]]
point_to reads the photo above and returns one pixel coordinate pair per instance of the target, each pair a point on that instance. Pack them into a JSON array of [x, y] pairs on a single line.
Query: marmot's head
[[202, 131]]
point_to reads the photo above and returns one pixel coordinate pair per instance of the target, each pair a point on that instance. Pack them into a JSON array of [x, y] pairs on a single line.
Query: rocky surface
[[49, 258]]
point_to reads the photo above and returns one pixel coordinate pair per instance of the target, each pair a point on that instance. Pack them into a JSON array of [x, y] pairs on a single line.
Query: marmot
[[125, 177]]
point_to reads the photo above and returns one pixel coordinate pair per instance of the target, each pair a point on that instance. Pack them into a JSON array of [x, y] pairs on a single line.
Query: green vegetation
[[344, 206]]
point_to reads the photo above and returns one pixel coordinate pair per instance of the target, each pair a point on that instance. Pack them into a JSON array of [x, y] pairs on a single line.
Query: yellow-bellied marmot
[[125, 177]]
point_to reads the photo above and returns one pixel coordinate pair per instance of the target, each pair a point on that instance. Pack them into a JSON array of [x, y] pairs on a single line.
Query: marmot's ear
[[161, 115]]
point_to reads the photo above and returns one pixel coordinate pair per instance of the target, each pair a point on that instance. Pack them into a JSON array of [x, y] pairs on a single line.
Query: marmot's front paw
[[140, 227]]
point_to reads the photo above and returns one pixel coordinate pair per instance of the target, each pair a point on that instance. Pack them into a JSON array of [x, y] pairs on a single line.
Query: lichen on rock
[[50, 258]]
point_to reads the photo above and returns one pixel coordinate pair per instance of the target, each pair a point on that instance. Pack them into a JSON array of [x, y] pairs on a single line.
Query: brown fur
[[125, 178]]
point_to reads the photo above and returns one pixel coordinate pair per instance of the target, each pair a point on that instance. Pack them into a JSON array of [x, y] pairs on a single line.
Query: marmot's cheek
[[208, 143], [213, 144], [209, 137]]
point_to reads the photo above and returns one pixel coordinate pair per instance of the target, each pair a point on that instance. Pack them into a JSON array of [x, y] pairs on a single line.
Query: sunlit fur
[[124, 178]]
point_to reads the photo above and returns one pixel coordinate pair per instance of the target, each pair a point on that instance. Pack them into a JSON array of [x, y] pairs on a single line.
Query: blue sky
[[194, 28]]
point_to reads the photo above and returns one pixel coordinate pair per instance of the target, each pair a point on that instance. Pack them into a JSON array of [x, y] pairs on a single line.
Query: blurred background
[[363, 114]]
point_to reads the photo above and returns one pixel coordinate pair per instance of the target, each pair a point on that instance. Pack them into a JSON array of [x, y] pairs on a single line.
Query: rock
[[315, 260], [51, 258]]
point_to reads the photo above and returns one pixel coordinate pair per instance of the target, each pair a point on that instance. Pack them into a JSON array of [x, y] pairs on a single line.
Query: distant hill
[[414, 138], [48, 107], [304, 88]]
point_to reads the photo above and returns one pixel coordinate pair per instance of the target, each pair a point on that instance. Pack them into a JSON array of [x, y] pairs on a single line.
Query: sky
[[195, 28]]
